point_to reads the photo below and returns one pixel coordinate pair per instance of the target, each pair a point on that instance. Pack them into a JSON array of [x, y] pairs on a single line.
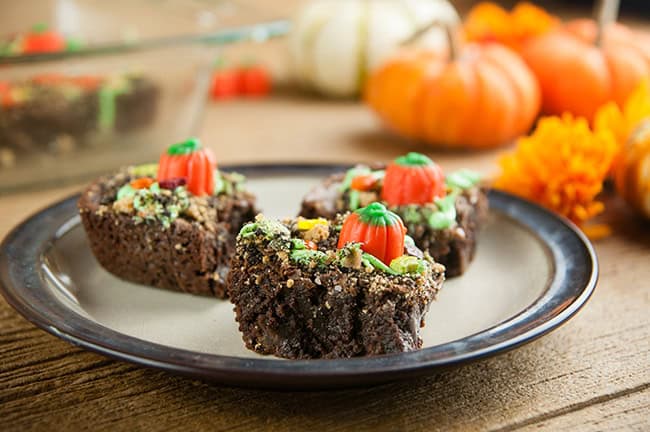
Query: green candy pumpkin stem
[[185, 147], [376, 214], [414, 159]]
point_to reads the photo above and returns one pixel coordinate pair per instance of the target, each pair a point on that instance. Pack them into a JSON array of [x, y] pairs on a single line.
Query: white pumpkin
[[335, 43]]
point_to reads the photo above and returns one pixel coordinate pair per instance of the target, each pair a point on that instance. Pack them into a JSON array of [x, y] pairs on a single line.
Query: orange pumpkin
[[632, 174], [488, 21], [480, 96], [577, 75]]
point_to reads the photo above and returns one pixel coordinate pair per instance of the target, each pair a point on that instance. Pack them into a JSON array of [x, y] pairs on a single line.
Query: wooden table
[[591, 374]]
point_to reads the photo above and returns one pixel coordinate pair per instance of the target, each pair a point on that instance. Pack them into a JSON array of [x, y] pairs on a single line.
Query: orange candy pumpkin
[[578, 76], [413, 179], [380, 232], [190, 162], [480, 96]]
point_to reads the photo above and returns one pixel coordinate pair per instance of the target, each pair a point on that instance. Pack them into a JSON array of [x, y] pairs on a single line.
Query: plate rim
[[531, 323]]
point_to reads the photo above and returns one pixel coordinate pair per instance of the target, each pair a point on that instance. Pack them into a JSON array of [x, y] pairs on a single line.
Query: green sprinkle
[[73, 45], [412, 214], [413, 159], [307, 256], [186, 147], [377, 263], [150, 208], [298, 244], [125, 191], [107, 108], [350, 174], [40, 27], [463, 179], [271, 229], [355, 199], [145, 170], [408, 264], [445, 217], [248, 230]]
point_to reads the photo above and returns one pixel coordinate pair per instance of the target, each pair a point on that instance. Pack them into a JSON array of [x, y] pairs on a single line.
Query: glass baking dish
[[136, 81]]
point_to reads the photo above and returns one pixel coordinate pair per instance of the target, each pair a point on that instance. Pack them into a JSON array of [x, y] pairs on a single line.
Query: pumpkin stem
[[605, 12], [453, 39]]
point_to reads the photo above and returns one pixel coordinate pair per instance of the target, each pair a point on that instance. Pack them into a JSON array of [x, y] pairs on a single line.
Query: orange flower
[[622, 122], [561, 166], [488, 21]]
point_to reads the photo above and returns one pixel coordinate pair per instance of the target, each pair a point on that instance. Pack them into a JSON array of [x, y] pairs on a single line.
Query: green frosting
[[125, 191], [228, 183], [186, 147], [307, 256], [354, 199], [350, 174], [376, 214], [150, 206], [108, 94], [445, 217], [408, 264], [269, 228], [463, 179], [414, 159], [39, 27], [145, 170], [377, 263]]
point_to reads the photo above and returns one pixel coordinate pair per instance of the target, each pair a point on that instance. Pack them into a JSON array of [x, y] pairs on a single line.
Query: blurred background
[[89, 85]]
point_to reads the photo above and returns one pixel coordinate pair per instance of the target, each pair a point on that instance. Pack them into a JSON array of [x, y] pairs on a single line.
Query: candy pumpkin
[[380, 232], [480, 96], [632, 173], [188, 162], [582, 65], [42, 40], [412, 179]]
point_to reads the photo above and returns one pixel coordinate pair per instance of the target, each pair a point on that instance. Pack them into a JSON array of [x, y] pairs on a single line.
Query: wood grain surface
[[591, 374]]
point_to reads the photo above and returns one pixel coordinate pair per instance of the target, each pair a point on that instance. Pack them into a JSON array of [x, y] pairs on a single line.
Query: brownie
[[299, 303], [60, 114], [453, 246], [170, 239]]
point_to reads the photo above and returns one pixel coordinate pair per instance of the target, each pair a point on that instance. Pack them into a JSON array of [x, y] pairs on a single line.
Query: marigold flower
[[622, 122], [560, 166]]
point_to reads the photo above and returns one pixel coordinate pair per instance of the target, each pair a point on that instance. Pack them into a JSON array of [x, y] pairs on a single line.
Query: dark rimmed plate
[[532, 272]]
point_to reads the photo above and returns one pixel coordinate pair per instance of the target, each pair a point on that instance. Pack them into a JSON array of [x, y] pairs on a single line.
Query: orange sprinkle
[[142, 183], [561, 166]]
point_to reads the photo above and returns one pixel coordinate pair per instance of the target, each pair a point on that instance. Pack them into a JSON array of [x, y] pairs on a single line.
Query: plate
[[531, 273]]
